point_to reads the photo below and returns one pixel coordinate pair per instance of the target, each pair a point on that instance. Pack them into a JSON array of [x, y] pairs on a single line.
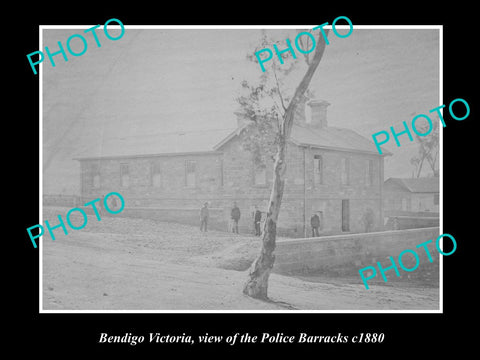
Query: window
[[96, 181], [190, 173], [436, 199], [221, 172], [124, 175], [345, 171], [404, 204], [420, 205], [369, 173], [345, 215], [91, 176], [95, 176], [318, 169], [156, 174], [260, 175]]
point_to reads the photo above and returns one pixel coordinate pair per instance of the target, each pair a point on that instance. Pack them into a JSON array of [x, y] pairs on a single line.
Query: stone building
[[331, 171], [413, 195]]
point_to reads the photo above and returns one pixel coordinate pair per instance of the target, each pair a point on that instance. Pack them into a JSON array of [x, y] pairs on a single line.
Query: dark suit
[[203, 218], [257, 218], [235, 215], [315, 222]]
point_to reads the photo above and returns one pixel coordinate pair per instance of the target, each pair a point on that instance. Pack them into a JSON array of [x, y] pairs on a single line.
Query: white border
[[440, 162], [40, 171], [40, 241]]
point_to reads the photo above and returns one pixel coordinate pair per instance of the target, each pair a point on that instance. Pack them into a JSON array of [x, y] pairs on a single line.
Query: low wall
[[344, 255], [411, 222], [416, 214]]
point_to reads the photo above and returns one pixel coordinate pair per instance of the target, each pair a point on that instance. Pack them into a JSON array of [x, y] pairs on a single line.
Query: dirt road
[[135, 264]]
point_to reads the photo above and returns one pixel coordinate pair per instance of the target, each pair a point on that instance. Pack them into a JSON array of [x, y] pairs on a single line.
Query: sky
[[168, 80]]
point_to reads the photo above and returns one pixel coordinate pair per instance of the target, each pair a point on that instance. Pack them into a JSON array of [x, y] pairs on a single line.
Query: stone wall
[[344, 255], [301, 199], [411, 222], [141, 191], [61, 200], [227, 175]]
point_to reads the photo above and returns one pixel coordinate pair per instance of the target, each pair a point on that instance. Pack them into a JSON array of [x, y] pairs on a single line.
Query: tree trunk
[[257, 283], [420, 167], [432, 161], [259, 272]]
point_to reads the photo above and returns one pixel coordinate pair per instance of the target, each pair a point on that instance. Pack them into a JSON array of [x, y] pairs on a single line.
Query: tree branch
[[420, 167], [279, 90], [302, 45], [302, 87]]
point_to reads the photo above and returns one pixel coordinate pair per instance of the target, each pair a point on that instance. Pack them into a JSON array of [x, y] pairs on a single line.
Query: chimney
[[318, 117], [300, 117], [241, 117]]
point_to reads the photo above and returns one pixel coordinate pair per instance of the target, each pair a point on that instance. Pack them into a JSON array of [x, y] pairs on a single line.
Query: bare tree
[[274, 116], [428, 150]]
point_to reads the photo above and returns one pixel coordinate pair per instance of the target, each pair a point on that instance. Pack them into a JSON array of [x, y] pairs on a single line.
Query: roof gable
[[333, 138]]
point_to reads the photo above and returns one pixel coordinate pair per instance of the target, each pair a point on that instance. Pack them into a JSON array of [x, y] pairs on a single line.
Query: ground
[[138, 264]]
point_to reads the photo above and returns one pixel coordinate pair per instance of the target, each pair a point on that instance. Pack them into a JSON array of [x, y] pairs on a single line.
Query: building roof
[[201, 141], [333, 138], [171, 143], [417, 185]]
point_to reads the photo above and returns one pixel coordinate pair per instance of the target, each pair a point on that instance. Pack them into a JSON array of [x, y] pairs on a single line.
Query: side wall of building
[[341, 196], [344, 199], [156, 181]]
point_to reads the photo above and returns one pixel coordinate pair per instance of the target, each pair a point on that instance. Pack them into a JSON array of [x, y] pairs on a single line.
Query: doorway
[[345, 215]]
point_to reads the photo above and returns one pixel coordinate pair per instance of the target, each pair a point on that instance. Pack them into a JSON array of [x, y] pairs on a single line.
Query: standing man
[[204, 217], [368, 220], [102, 205], [315, 223], [235, 215], [114, 203], [257, 218]]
